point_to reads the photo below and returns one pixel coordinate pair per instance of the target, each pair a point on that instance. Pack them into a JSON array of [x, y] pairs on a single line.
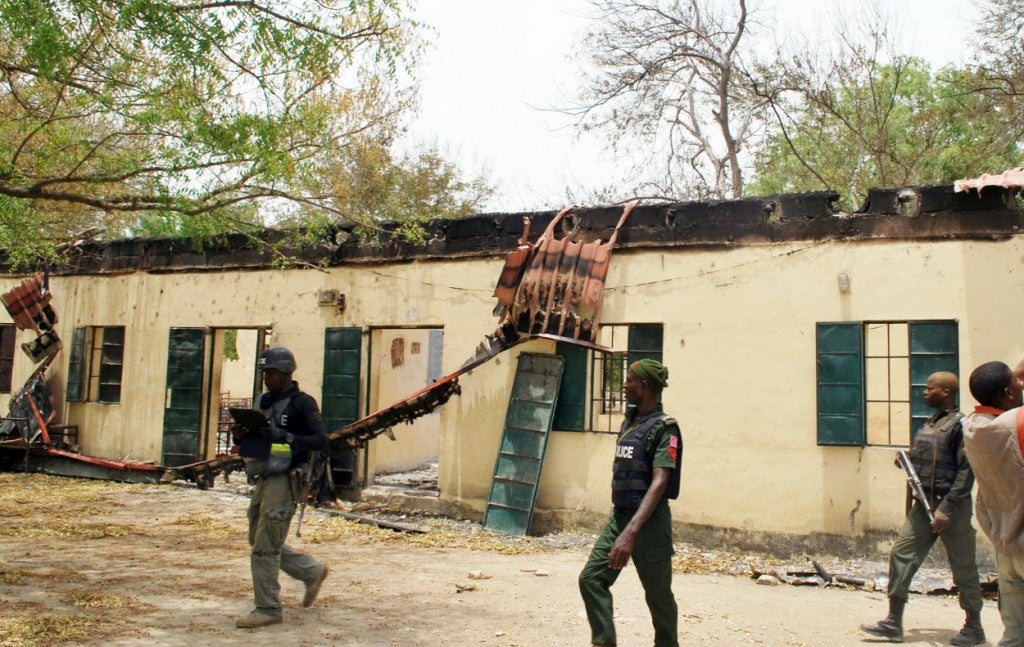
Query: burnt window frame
[[8, 346], [96, 364]]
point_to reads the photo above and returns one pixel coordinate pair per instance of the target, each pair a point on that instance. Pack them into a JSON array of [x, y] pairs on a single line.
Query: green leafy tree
[[372, 184], [864, 124], [190, 118]]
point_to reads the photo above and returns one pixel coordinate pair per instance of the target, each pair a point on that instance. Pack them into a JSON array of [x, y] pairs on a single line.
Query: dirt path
[[96, 563]]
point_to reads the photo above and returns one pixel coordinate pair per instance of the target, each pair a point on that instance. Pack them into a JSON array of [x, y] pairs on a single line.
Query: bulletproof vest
[[633, 468], [934, 453], [278, 455]]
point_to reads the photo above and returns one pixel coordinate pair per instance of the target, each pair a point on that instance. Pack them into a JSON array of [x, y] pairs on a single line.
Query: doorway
[[208, 370], [403, 361]]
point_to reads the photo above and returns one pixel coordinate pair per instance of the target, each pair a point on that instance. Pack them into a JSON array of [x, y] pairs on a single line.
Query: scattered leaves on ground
[[207, 525], [45, 629]]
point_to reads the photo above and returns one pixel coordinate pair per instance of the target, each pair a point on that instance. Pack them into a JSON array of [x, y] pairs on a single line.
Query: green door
[[523, 441], [340, 397], [183, 402]]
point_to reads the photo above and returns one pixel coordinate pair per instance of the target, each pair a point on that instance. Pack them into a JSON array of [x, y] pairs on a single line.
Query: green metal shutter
[[73, 391], [340, 396], [111, 364], [184, 398], [570, 409], [840, 359], [645, 340], [934, 346]]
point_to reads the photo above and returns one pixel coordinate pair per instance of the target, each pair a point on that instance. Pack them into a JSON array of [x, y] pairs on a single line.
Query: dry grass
[[700, 561], [209, 527], [45, 629], [18, 490], [72, 530], [347, 531], [85, 599], [10, 575], [37, 507]]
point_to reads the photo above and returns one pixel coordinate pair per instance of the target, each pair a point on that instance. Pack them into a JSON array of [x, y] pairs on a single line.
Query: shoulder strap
[[277, 410], [650, 422], [669, 420], [951, 422]]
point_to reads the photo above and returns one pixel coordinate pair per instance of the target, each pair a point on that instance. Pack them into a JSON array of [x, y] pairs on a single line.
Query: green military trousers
[[270, 515], [1011, 598], [916, 539], [652, 557]]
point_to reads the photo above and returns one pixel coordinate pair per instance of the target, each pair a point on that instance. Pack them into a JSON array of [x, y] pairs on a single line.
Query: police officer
[[275, 457], [937, 454], [645, 475]]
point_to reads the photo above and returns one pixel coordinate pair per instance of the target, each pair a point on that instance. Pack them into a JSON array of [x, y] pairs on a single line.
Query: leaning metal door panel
[[521, 453]]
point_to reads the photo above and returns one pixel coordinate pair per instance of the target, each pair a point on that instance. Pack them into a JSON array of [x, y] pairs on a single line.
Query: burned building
[[798, 341]]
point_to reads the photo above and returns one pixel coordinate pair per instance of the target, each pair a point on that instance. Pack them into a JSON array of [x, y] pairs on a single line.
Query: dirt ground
[[99, 563]]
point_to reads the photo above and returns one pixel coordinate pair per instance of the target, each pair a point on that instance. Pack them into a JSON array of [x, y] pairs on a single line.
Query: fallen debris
[[391, 525]]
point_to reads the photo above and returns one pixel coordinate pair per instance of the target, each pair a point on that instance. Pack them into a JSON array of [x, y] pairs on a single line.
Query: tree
[[668, 75], [861, 115], [191, 117], [867, 125], [1000, 75], [371, 184]]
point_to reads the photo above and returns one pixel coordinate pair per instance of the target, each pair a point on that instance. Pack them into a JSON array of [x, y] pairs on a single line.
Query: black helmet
[[279, 358]]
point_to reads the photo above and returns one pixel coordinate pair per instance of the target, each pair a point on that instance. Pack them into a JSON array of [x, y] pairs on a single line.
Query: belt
[[262, 477]]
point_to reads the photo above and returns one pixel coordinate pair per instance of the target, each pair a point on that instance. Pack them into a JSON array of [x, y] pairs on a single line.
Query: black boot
[[891, 626], [972, 633]]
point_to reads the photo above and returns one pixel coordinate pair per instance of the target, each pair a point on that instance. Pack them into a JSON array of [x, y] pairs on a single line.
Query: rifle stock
[[309, 474], [915, 483]]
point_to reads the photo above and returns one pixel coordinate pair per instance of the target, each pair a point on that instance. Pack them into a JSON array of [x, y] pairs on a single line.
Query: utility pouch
[[255, 468], [279, 461], [280, 458]]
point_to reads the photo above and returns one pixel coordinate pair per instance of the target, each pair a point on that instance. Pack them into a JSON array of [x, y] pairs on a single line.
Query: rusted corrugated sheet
[[1011, 179], [29, 307], [561, 284]]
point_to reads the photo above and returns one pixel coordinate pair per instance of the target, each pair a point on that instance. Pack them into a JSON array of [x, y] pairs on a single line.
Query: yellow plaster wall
[[451, 296], [739, 341], [740, 344]]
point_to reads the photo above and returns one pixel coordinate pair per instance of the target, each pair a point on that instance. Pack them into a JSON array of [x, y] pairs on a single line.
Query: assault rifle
[[308, 475], [915, 483]]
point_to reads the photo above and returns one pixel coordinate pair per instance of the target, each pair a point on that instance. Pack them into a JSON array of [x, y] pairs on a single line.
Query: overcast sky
[[496, 67]]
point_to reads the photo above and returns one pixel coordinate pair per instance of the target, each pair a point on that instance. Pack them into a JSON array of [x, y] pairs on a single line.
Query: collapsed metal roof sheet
[[1011, 179]]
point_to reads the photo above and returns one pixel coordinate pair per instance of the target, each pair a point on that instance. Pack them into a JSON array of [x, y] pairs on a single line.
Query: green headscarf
[[651, 371]]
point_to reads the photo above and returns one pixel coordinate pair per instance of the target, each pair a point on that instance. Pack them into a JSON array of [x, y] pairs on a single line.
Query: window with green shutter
[[73, 389], [96, 364], [934, 347], [840, 350], [571, 406], [600, 388], [871, 377]]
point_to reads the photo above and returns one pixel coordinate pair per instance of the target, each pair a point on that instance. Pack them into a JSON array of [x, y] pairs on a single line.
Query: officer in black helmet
[[274, 456]]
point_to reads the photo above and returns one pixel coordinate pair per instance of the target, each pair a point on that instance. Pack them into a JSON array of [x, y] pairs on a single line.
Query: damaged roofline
[[911, 213]]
